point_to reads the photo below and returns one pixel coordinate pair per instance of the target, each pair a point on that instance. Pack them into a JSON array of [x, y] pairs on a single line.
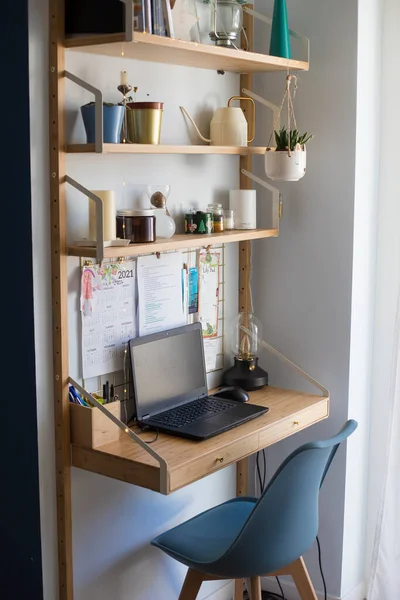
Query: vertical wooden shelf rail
[[60, 296], [246, 81]]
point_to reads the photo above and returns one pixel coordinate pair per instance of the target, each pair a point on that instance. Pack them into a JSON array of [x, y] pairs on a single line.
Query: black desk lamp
[[246, 373]]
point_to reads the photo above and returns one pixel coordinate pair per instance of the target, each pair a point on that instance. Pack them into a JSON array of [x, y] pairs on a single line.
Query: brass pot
[[144, 122]]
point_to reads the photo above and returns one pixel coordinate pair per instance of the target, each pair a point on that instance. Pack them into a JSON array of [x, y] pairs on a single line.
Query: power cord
[[143, 430], [321, 569]]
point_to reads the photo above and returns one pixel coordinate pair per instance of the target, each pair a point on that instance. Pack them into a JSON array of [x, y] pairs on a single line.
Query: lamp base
[[246, 374], [224, 40]]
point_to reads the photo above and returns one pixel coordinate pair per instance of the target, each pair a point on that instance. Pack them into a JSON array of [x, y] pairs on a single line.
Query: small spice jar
[[190, 221], [229, 221], [218, 217], [204, 222], [138, 226]]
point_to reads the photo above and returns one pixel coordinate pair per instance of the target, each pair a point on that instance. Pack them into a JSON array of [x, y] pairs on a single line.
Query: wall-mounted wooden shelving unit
[[158, 49], [126, 459], [177, 242], [166, 149]]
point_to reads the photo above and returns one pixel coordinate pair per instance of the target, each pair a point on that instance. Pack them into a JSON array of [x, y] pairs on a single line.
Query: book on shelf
[[142, 17], [159, 24], [167, 12], [153, 16]]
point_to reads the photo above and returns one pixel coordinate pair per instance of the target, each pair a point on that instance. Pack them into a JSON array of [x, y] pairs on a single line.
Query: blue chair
[[246, 538]]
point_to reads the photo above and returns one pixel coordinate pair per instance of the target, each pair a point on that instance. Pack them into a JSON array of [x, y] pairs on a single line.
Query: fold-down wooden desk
[[189, 461]]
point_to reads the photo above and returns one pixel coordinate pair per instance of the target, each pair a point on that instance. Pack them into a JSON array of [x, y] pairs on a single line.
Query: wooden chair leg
[[301, 578], [255, 588], [191, 585], [238, 589]]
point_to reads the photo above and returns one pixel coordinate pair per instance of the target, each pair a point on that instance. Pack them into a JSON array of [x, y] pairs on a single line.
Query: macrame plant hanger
[[291, 117]]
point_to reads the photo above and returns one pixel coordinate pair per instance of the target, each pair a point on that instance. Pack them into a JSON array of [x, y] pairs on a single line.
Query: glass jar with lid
[[218, 217], [138, 226], [229, 219]]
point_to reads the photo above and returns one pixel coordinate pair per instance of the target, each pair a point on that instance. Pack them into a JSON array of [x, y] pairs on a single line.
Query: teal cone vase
[[280, 39]]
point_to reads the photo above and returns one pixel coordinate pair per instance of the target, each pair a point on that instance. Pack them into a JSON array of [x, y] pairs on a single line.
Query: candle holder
[[125, 89]]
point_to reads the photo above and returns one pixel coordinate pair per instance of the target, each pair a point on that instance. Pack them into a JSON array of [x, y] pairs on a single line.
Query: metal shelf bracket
[[276, 197], [98, 109], [305, 42], [99, 216], [135, 438], [128, 20]]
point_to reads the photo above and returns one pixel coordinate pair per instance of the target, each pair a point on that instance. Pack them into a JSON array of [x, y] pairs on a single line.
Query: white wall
[[38, 93], [113, 522], [303, 281], [388, 266]]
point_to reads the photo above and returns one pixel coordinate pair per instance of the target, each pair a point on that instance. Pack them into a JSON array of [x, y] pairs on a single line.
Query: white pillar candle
[[109, 215], [124, 78], [243, 204]]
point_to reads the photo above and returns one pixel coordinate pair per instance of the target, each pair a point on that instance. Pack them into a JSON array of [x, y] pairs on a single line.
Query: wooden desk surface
[[189, 461]]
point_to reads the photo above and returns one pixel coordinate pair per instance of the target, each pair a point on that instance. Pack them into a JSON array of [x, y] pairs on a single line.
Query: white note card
[[160, 292], [108, 307]]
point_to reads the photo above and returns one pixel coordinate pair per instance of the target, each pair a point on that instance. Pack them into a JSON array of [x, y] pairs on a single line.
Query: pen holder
[[90, 428]]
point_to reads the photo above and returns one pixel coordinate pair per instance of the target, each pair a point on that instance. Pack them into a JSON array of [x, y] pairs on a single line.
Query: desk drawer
[[296, 422], [213, 461]]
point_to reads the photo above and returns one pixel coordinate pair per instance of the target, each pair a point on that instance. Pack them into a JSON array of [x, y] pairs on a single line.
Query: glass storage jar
[[138, 226]]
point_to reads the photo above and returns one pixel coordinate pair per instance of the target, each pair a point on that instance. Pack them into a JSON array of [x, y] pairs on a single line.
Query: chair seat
[[206, 537]]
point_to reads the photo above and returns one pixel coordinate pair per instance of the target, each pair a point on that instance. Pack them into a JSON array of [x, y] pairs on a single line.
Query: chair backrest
[[284, 522]]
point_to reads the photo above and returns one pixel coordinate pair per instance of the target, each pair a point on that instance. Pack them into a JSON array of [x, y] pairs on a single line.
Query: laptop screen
[[168, 369]]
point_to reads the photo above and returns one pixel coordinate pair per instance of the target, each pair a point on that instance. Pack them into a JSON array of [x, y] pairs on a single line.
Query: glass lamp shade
[[226, 22], [245, 336]]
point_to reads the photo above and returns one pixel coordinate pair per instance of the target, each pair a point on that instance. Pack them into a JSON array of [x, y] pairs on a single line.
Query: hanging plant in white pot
[[287, 160]]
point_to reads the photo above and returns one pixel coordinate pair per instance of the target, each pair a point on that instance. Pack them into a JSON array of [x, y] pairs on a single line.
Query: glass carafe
[[165, 224]]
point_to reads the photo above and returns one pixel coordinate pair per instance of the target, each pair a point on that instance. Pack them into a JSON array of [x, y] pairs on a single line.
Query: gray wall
[[302, 282]]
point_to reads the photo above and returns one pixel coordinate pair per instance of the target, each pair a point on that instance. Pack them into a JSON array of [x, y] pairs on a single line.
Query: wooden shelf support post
[[246, 81], [60, 297]]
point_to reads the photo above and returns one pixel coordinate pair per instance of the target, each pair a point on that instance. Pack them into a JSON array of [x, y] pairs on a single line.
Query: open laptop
[[170, 387]]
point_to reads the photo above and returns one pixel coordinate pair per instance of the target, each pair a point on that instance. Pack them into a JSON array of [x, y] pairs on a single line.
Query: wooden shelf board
[[166, 149], [188, 461], [176, 52], [177, 242]]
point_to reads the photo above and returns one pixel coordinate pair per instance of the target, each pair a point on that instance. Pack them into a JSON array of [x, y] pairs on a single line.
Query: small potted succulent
[[113, 116], [287, 161]]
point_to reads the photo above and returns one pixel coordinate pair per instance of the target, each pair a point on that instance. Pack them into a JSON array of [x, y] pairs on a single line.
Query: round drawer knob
[[296, 423], [220, 460]]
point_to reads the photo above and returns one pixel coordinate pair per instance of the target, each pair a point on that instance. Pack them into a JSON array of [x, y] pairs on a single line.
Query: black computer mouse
[[233, 392]]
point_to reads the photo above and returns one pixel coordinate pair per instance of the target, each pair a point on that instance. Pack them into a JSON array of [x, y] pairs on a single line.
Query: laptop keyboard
[[188, 413]]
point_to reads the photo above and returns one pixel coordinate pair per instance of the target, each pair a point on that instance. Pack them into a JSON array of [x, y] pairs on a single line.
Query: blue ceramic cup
[[113, 117]]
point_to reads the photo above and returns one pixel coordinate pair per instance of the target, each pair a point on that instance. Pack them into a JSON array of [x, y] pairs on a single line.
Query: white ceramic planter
[[279, 166]]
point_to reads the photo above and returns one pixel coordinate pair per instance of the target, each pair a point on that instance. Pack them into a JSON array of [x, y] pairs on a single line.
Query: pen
[[76, 396], [107, 392]]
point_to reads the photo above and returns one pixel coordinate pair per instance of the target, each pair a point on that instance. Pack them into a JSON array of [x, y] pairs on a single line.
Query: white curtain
[[384, 581]]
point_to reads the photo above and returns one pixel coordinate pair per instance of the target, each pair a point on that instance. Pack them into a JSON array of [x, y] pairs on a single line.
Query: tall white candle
[[109, 215], [124, 78]]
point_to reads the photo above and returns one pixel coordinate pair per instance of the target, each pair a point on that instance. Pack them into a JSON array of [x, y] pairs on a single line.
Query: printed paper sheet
[[108, 306], [160, 293]]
